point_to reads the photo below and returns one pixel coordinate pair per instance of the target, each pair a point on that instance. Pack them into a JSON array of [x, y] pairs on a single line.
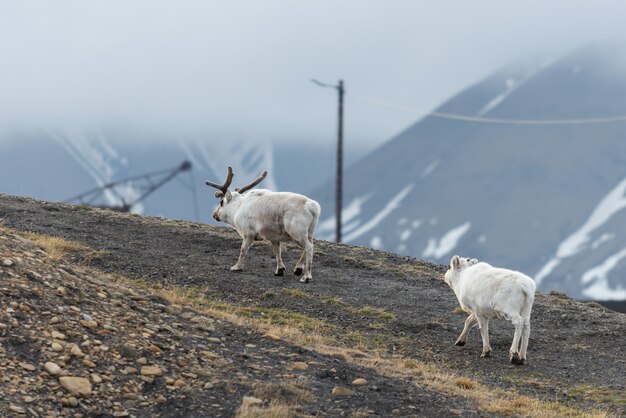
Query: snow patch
[[603, 238], [430, 168], [546, 270], [447, 243], [349, 227], [612, 203], [608, 206], [416, 223], [348, 214], [405, 235], [392, 205], [510, 86], [376, 242], [600, 289]]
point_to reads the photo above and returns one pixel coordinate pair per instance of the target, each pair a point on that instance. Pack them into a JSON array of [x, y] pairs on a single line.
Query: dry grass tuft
[[599, 394], [58, 248], [266, 295], [333, 301], [282, 397], [529, 407], [295, 293], [465, 383], [360, 413], [256, 411], [413, 365], [373, 312], [283, 393], [458, 310]]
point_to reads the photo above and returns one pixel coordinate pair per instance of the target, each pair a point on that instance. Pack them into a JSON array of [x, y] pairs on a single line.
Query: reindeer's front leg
[[245, 245]]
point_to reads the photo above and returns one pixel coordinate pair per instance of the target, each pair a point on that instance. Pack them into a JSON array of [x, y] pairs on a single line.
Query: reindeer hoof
[[280, 272], [486, 354], [236, 268], [304, 280], [297, 271], [516, 359], [460, 343]]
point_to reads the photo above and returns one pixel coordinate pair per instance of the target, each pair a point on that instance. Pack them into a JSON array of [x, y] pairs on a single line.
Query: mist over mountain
[[59, 164], [548, 200], [545, 199]]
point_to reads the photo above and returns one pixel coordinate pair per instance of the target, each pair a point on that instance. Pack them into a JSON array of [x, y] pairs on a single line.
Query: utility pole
[[339, 174]]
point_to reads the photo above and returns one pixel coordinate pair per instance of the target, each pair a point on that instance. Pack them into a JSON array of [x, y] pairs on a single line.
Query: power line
[[480, 119]]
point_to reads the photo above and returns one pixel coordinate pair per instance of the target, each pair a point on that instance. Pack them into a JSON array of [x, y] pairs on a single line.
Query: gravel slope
[[572, 346]]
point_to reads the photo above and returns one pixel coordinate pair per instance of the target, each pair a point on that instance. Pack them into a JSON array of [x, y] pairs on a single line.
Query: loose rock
[[28, 366], [76, 386], [52, 368], [341, 391], [151, 371], [299, 365]]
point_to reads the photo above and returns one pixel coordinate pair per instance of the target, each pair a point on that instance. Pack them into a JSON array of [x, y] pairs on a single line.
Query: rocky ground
[[372, 335]]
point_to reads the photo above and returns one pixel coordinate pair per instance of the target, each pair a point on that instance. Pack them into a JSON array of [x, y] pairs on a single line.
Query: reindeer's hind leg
[[280, 267], [524, 340], [307, 253], [300, 264], [514, 352], [483, 323]]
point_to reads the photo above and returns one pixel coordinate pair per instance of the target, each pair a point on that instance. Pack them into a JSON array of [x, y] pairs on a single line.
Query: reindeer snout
[[216, 216]]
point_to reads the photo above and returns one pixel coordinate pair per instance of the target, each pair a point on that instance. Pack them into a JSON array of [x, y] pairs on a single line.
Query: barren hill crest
[[122, 315]]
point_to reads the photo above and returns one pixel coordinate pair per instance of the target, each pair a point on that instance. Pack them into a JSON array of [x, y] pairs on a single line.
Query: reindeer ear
[[219, 194], [455, 263]]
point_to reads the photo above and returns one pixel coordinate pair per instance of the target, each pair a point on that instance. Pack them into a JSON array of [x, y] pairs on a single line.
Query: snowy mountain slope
[[546, 200]]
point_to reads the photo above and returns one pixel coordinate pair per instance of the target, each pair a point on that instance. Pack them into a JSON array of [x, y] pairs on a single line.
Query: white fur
[[487, 292], [274, 216]]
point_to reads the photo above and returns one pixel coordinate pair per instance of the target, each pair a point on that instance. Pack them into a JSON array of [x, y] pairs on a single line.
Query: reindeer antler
[[222, 188], [259, 179]]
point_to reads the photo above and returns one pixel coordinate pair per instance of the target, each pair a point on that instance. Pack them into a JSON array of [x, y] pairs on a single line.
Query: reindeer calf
[[486, 293]]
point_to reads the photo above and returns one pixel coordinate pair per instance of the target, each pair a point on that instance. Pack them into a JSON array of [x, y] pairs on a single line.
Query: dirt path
[[576, 351]]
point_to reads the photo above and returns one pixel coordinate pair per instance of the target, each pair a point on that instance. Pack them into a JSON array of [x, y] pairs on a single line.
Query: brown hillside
[[147, 312]]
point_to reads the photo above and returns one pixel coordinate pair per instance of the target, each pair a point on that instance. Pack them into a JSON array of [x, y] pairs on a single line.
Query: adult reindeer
[[274, 216]]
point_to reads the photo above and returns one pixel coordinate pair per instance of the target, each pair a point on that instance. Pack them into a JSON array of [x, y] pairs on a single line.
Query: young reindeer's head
[[229, 200], [457, 265]]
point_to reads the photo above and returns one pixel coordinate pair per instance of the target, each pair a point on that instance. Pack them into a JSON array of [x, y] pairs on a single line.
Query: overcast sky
[[241, 69]]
